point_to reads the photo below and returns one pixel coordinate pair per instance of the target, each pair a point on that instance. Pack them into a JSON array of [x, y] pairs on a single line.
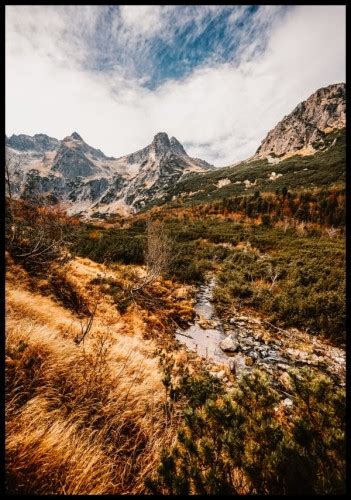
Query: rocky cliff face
[[305, 129], [86, 181]]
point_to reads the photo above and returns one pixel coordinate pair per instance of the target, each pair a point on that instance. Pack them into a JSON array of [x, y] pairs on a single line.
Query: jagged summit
[[177, 146], [161, 138], [304, 130], [89, 181], [162, 143], [37, 142], [76, 136]]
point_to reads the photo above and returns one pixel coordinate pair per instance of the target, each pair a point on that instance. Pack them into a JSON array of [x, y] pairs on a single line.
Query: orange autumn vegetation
[[85, 418]]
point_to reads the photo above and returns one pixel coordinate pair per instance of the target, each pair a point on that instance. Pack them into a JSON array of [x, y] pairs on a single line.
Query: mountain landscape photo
[[175, 250]]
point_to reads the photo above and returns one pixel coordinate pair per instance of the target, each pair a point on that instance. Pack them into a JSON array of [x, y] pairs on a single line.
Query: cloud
[[144, 19], [220, 109]]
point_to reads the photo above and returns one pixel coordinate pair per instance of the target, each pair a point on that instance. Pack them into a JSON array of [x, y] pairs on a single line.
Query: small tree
[[157, 254]]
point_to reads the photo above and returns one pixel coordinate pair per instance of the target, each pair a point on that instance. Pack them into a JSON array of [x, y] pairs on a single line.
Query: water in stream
[[205, 341], [274, 355]]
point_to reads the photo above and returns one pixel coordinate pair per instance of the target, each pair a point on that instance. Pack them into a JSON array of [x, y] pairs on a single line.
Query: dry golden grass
[[81, 419]]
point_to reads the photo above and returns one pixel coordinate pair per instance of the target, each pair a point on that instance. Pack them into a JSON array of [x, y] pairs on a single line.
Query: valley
[[173, 327]]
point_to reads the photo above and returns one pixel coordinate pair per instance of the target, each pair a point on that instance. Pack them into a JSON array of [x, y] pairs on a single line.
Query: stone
[[220, 375], [271, 352], [288, 404], [229, 344], [231, 366], [207, 324], [283, 366], [254, 355]]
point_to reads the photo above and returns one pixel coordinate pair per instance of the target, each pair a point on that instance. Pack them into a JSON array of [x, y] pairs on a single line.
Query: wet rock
[[263, 351], [229, 344], [207, 324], [254, 355], [274, 359], [272, 353], [245, 348], [239, 364]]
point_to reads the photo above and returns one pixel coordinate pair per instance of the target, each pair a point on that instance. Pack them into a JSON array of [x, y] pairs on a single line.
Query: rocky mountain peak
[[161, 143], [39, 142], [89, 181], [73, 137], [303, 131], [177, 147], [76, 136]]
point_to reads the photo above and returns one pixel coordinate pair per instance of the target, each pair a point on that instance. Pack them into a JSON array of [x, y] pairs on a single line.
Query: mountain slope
[[306, 149], [322, 169], [87, 181], [305, 129]]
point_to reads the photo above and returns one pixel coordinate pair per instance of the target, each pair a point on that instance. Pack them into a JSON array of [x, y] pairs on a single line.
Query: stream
[[205, 341], [251, 343]]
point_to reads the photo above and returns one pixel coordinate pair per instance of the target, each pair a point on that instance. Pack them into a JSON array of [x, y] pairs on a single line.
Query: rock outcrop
[[305, 129]]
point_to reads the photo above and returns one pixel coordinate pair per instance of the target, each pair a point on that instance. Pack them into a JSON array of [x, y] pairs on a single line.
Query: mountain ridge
[[304, 130], [93, 184], [83, 177]]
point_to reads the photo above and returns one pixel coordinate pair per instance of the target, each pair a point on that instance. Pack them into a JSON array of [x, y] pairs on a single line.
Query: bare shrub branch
[[157, 254]]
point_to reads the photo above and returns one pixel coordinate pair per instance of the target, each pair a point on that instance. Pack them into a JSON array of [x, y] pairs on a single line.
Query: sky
[[218, 78]]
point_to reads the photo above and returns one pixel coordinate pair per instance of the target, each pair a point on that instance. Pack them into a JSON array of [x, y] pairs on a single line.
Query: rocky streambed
[[244, 342]]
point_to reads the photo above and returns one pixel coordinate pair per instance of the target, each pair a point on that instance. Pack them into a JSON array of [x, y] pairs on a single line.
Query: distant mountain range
[[87, 181], [91, 184]]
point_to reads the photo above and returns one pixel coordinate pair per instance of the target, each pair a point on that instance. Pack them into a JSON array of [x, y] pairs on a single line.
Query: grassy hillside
[[323, 169], [101, 399], [246, 252]]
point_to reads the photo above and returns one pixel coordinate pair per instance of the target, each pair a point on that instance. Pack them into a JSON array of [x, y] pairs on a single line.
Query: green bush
[[230, 440]]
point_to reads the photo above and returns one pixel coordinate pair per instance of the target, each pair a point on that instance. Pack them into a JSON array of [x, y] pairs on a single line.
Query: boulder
[[229, 344]]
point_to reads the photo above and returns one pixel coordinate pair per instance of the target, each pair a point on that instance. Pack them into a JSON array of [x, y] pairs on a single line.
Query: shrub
[[235, 444]]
